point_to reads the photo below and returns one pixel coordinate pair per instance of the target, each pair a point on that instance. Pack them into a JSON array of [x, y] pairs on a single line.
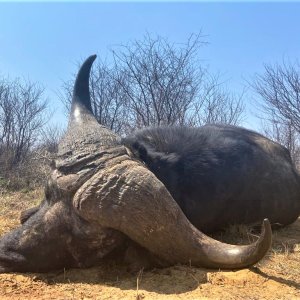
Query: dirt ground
[[276, 277]]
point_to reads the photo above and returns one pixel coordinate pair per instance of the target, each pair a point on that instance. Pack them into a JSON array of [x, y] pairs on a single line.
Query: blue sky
[[44, 42]]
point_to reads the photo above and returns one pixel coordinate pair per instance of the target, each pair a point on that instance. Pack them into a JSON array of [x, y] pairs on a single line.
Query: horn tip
[[267, 232], [92, 57], [266, 223], [266, 226]]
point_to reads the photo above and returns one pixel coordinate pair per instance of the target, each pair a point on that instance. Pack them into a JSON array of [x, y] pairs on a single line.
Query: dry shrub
[[29, 174]]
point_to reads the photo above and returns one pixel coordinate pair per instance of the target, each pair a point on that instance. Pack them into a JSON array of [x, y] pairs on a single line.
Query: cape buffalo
[[102, 197]]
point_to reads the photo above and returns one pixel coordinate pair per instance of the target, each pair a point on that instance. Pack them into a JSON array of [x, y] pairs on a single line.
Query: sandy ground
[[276, 277]]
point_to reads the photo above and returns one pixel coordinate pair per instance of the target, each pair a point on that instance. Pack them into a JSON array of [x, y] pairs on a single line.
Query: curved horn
[[128, 197], [81, 101], [85, 140]]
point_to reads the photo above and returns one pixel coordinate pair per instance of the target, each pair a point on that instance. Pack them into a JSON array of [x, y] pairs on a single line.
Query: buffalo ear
[[26, 214], [148, 154]]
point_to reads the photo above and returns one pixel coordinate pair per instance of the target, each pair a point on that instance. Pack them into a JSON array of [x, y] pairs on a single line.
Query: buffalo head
[[99, 197]]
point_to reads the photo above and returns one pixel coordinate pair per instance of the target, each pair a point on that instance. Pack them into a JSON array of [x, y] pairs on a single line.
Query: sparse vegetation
[[154, 82], [23, 137]]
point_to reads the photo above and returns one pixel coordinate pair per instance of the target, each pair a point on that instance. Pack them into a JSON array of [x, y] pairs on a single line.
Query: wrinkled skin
[[100, 201]]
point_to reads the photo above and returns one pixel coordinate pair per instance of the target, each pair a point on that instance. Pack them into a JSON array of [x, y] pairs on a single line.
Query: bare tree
[[162, 79], [284, 134], [22, 115], [21, 111], [50, 136], [216, 105], [279, 88], [152, 82], [279, 91]]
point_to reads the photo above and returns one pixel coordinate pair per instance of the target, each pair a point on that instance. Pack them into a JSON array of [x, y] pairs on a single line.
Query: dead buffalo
[[101, 198]]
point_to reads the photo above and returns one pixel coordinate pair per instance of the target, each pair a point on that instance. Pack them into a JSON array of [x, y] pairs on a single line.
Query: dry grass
[[275, 277], [11, 205]]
